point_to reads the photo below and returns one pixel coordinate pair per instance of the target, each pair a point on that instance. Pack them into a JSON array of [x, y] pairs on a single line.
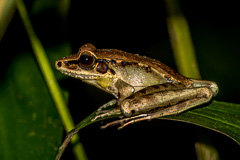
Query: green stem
[[51, 81], [184, 54], [181, 41]]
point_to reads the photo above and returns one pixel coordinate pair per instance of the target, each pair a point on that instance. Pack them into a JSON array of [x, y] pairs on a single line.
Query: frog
[[144, 88]]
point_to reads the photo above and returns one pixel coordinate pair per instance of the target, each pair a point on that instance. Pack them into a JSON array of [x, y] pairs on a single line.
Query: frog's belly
[[139, 78]]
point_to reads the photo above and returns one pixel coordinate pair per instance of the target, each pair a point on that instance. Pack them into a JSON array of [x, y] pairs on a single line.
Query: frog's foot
[[106, 113], [126, 121]]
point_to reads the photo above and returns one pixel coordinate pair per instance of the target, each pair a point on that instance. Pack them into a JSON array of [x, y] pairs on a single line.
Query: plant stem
[[181, 41], [184, 54], [51, 81]]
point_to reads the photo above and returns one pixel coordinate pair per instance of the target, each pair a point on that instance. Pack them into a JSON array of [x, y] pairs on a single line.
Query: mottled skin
[[144, 88]]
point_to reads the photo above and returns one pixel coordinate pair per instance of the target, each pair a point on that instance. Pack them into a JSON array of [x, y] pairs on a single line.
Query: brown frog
[[144, 88]]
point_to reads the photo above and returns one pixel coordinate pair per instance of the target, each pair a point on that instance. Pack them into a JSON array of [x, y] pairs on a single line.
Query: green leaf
[[218, 116], [30, 127]]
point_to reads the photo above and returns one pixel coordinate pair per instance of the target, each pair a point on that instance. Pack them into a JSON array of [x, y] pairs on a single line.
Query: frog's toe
[[126, 121], [100, 114], [106, 113]]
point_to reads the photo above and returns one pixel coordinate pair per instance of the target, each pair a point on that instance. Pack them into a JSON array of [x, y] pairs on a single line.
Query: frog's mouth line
[[78, 76]]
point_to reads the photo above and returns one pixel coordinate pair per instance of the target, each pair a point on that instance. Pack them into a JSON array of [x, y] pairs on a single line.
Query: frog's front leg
[[103, 112], [106, 105], [124, 90], [171, 102]]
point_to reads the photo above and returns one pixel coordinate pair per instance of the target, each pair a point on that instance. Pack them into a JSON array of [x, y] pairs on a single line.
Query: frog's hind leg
[[171, 110], [126, 121]]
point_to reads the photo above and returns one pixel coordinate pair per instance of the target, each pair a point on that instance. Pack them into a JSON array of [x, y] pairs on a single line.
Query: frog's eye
[[86, 60]]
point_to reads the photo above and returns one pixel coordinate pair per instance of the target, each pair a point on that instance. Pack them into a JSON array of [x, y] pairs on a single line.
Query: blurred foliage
[[7, 8], [29, 125], [60, 6], [50, 80]]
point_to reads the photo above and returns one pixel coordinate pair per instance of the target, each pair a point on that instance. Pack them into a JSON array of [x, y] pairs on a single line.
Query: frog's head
[[85, 65]]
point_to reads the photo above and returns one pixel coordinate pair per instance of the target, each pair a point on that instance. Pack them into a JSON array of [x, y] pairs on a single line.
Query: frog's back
[[141, 68]]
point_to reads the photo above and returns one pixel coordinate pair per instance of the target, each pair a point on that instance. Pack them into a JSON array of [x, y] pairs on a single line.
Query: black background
[[140, 28]]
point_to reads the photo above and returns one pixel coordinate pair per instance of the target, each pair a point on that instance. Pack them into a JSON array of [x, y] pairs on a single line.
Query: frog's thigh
[[174, 109], [140, 100], [142, 104], [181, 107]]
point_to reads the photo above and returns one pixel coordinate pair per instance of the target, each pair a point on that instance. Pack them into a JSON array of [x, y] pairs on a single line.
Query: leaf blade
[[30, 127], [197, 116], [218, 116]]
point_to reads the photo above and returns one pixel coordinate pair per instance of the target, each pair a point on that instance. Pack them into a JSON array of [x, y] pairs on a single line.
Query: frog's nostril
[[59, 64]]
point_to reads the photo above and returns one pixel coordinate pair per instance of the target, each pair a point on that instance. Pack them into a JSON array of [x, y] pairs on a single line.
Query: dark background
[[139, 28]]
